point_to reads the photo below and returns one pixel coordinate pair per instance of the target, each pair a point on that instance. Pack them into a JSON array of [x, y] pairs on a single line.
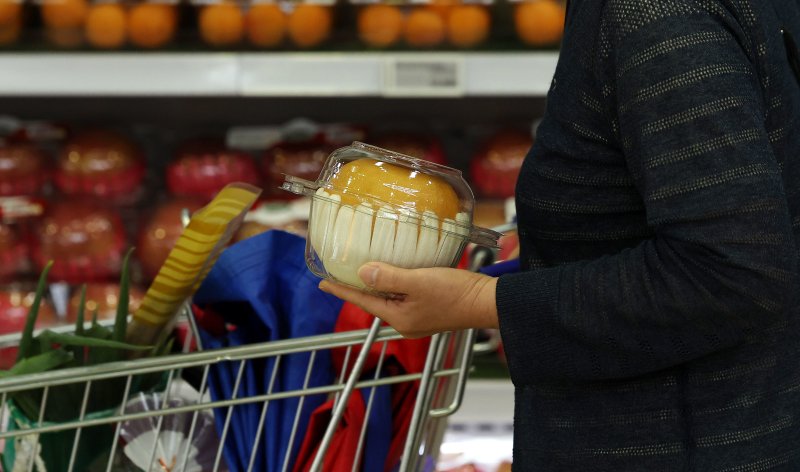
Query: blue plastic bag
[[262, 286]]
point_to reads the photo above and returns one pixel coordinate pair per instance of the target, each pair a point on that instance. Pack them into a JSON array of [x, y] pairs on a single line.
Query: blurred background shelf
[[334, 74]]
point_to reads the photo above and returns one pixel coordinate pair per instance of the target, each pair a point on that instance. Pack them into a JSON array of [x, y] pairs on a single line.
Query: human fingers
[[387, 278], [375, 305]]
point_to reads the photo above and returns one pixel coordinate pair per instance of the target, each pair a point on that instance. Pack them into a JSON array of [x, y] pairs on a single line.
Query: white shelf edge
[[64, 74], [331, 74]]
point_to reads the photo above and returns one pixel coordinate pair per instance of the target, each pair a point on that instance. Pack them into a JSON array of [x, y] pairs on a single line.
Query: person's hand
[[428, 301]]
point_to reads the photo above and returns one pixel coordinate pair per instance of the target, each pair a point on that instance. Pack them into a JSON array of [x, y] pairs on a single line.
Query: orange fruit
[[66, 14], [424, 28], [265, 24], [9, 33], [10, 12], [310, 25], [379, 183], [151, 25], [468, 25], [442, 7], [540, 22], [380, 25], [106, 25], [221, 24]]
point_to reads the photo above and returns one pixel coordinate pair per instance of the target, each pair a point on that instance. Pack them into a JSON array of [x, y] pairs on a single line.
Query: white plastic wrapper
[[179, 445]]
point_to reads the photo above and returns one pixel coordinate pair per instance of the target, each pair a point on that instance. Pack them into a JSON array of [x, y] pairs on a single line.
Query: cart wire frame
[[441, 389]]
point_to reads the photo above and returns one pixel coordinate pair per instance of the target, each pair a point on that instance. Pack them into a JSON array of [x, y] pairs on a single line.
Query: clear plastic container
[[372, 204]]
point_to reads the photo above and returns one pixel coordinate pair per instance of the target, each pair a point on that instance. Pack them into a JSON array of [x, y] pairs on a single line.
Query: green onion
[[33, 313]]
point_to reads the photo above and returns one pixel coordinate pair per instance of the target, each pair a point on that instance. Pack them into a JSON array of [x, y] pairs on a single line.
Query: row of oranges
[[537, 23], [110, 25]]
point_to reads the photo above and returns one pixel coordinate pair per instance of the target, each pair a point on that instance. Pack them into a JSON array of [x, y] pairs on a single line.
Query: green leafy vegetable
[[33, 313], [73, 340], [81, 310], [41, 363], [94, 345], [121, 321]]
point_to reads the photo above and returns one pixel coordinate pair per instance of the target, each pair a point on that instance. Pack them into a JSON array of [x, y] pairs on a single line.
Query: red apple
[[85, 241], [23, 170], [421, 146], [160, 233], [203, 167], [13, 251], [303, 159], [495, 168], [100, 163]]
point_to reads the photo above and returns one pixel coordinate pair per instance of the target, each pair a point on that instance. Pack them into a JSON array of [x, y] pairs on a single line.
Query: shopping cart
[[441, 386], [441, 382]]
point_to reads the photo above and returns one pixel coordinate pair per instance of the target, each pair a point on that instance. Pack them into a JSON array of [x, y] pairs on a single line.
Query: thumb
[[384, 277]]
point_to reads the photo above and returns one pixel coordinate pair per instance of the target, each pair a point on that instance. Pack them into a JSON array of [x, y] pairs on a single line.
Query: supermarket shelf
[[330, 74]]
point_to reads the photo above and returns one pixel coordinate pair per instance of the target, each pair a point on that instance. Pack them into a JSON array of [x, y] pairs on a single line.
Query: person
[[656, 325]]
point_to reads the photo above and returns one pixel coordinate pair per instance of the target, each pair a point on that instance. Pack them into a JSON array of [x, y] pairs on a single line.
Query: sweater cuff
[[526, 306]]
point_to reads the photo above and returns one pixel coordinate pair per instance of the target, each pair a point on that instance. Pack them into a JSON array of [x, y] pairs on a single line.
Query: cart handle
[[461, 381]]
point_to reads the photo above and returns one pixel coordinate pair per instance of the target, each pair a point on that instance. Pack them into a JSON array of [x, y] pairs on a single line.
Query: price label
[[425, 76]]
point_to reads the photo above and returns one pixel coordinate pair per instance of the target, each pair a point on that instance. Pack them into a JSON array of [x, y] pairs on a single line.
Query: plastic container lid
[[372, 204]]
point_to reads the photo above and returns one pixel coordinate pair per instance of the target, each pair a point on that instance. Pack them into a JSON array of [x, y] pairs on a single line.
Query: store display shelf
[[329, 74]]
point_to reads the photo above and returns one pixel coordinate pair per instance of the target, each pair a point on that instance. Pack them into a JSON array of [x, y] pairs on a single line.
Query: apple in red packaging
[[495, 168], [100, 163], [102, 298], [202, 167], [302, 159], [421, 146], [160, 233], [24, 170], [13, 251], [254, 228], [86, 242], [15, 303], [291, 216]]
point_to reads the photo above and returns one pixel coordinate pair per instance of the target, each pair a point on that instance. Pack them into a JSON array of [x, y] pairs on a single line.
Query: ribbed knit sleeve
[[688, 114]]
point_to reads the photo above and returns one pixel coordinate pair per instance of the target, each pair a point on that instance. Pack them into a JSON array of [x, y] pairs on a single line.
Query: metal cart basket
[[441, 385]]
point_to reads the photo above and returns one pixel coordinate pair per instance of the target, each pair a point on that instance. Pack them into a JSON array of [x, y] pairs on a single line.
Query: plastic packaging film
[[371, 204], [208, 232]]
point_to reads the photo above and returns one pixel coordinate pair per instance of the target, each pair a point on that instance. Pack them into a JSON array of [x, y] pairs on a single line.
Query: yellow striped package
[[208, 232]]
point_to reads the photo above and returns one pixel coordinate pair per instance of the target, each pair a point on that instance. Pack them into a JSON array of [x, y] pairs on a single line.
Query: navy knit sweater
[[656, 326]]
